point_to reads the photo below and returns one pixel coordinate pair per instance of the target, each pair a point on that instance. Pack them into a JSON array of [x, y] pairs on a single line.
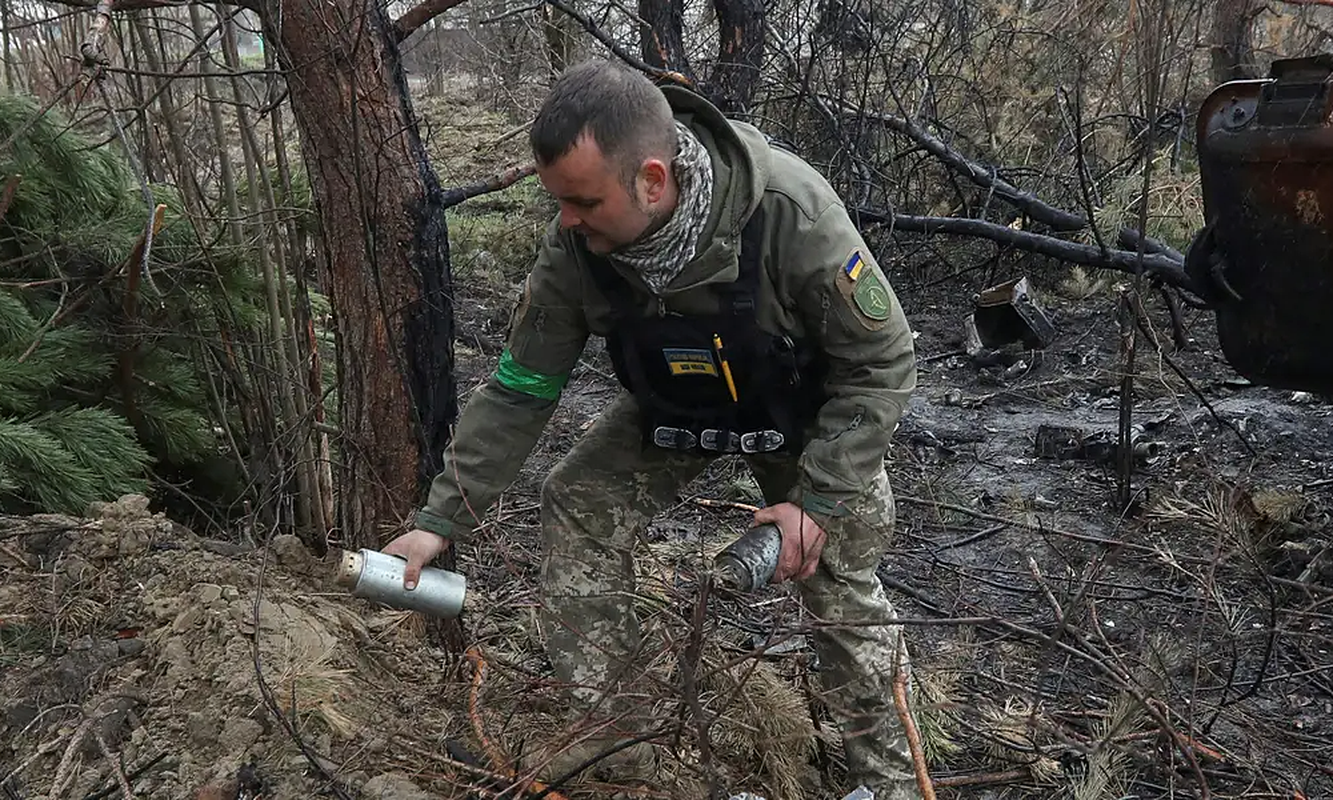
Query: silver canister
[[379, 577], [749, 562]]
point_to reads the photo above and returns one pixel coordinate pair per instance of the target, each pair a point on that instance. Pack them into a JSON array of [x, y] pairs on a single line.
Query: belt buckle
[[762, 441], [674, 438], [720, 441]]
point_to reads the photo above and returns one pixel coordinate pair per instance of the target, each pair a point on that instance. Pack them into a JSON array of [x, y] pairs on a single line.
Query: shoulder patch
[[863, 286]]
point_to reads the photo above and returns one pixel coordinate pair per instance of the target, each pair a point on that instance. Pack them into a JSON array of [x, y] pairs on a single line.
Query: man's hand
[[418, 547], [802, 541]]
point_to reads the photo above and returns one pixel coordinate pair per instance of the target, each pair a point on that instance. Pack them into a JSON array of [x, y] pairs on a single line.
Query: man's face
[[595, 200]]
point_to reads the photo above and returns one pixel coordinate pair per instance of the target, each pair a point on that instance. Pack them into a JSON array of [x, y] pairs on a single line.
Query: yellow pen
[[726, 368]]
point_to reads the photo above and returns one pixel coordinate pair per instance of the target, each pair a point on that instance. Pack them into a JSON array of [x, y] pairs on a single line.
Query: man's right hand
[[418, 547]]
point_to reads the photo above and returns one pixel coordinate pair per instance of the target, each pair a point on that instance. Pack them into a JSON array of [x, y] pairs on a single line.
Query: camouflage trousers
[[600, 498]]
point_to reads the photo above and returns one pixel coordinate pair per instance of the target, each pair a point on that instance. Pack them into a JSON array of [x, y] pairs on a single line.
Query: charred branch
[[1158, 265], [987, 177]]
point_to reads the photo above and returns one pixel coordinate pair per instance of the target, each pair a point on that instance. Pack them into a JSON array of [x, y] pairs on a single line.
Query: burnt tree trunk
[[1231, 54], [740, 50], [662, 36], [384, 256], [740, 54]]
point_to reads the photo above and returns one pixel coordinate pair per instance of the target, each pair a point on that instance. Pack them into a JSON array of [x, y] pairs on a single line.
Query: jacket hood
[[742, 162], [741, 157]]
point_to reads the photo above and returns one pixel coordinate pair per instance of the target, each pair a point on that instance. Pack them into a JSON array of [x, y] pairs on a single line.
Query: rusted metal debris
[[1266, 167], [1007, 313]]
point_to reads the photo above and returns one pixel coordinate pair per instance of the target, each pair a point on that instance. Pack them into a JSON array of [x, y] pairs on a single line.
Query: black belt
[[718, 440]]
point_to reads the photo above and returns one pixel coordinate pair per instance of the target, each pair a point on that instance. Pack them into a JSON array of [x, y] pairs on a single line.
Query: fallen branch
[[335, 786], [1171, 270], [498, 759], [689, 687], [983, 779], [63, 773], [710, 503], [987, 177], [132, 775], [122, 782], [909, 726]]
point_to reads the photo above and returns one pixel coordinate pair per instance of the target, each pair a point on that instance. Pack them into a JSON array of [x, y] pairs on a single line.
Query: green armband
[[512, 375]]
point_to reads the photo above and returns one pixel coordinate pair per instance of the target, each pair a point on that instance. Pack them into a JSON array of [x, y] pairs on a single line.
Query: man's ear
[[652, 180]]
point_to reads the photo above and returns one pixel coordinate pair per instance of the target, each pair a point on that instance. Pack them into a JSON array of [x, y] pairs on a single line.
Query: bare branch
[[419, 15], [1160, 265], [495, 183], [986, 177], [620, 52]]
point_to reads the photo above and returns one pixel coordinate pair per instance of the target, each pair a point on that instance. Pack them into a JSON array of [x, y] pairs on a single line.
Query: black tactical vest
[[717, 382]]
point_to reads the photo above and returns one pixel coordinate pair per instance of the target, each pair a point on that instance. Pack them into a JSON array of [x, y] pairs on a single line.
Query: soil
[[1058, 645]]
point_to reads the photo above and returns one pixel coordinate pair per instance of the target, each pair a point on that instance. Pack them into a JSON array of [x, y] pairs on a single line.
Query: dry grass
[[762, 723], [1011, 739], [1083, 284], [309, 685]]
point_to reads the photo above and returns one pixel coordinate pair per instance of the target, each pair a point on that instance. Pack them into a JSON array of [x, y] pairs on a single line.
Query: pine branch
[[101, 442], [44, 472]]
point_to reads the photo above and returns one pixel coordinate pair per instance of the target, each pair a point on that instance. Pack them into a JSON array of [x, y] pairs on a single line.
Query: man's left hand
[[802, 541]]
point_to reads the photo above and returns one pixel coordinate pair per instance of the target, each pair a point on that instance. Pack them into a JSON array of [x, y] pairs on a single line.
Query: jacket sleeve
[[501, 423], [862, 330]]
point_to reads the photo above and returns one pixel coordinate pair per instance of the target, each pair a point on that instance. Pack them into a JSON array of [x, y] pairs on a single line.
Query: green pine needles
[[91, 394]]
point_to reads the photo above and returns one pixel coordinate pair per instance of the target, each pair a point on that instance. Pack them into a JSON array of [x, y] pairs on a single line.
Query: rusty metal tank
[[1266, 252]]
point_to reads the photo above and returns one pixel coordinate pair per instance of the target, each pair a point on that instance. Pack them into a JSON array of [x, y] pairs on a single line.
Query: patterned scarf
[[660, 256]]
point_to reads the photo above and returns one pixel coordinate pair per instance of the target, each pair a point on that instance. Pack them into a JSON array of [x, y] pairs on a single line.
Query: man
[[745, 315]]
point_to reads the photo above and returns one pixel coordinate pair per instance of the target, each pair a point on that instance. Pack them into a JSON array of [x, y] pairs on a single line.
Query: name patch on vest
[[689, 361]]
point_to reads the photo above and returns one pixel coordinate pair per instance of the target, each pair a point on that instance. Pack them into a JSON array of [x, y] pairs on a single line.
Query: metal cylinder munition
[[749, 562], [376, 576]]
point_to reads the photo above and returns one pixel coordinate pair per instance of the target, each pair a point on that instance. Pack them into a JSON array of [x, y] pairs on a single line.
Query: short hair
[[623, 111]]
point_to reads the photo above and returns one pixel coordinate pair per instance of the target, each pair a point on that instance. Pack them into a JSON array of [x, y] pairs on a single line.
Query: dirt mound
[[129, 640], [131, 650]]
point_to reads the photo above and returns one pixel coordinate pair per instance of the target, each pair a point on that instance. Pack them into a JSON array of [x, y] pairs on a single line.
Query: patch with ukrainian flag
[[689, 361], [861, 283]]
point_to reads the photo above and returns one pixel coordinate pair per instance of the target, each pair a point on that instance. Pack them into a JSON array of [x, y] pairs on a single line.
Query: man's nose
[[568, 218]]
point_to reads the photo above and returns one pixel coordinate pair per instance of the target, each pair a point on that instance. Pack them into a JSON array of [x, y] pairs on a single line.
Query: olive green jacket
[[819, 280]]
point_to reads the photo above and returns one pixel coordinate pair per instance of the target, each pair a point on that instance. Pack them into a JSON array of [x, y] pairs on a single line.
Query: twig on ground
[[266, 692], [499, 760], [62, 773], [117, 772], [979, 535], [133, 775], [909, 724], [983, 778], [710, 503], [689, 686]]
